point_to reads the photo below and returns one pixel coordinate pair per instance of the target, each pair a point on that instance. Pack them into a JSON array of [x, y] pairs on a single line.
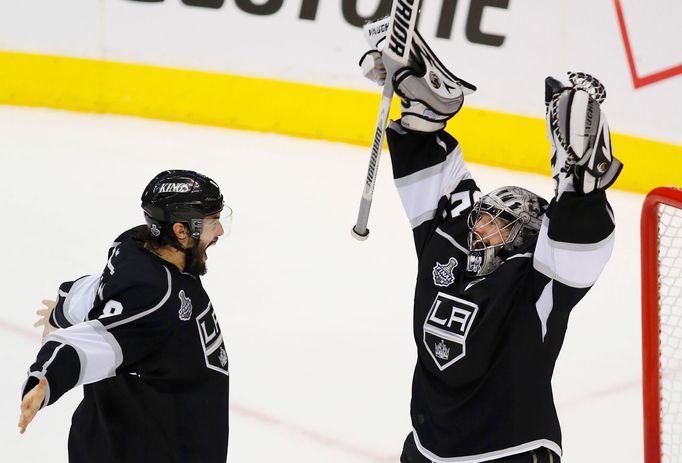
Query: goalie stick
[[402, 23]]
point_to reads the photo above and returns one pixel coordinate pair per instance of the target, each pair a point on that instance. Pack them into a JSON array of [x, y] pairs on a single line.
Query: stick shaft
[[374, 157], [401, 29]]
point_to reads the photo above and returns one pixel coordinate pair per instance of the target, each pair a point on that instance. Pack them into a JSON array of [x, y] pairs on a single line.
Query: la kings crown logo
[[446, 328]]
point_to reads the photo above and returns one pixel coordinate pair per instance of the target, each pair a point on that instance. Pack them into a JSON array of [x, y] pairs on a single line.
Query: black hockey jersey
[[145, 342], [487, 346]]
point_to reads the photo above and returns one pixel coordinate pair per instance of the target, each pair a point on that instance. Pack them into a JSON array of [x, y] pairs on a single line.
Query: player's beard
[[194, 264]]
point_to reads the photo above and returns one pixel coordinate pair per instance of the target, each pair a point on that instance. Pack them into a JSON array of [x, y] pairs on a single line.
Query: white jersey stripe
[[525, 254], [43, 372], [98, 351], [53, 319], [424, 217], [428, 172], [421, 191], [575, 265], [483, 457], [452, 241], [80, 298], [38, 375], [51, 359], [544, 306]]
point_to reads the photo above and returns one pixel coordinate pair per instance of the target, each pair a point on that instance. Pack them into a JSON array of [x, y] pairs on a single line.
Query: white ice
[[318, 325]]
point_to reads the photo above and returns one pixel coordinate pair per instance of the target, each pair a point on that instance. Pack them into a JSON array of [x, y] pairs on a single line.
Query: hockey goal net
[[662, 325]]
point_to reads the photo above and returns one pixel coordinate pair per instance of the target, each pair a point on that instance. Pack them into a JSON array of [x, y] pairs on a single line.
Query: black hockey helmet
[[180, 196]]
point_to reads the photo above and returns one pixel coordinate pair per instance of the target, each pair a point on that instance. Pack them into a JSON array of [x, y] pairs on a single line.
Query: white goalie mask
[[500, 223]]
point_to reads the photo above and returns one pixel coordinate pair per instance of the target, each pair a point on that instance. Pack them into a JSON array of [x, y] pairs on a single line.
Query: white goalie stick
[[402, 23]]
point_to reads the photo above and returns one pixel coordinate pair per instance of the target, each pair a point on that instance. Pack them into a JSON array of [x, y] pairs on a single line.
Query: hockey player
[[498, 274], [143, 339]]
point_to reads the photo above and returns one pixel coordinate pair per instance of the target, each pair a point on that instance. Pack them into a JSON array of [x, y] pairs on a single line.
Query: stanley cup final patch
[[185, 312], [443, 274], [446, 329]]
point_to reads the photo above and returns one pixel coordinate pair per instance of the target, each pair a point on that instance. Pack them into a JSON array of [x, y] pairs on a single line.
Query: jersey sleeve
[[433, 181], [574, 244], [74, 301], [127, 323], [576, 239], [75, 298]]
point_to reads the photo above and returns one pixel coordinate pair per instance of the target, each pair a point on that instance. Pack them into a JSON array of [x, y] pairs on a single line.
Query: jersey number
[[461, 201], [111, 308]]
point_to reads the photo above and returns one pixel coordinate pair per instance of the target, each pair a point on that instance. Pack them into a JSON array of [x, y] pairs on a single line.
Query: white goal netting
[[670, 338]]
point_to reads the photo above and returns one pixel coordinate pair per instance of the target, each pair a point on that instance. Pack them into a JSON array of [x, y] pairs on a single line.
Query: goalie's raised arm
[[578, 231], [429, 170]]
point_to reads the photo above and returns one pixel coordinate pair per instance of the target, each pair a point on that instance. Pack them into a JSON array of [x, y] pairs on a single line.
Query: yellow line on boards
[[302, 110]]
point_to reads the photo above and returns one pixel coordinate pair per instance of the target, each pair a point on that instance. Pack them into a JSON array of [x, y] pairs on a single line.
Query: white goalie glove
[[430, 94], [373, 67], [582, 158]]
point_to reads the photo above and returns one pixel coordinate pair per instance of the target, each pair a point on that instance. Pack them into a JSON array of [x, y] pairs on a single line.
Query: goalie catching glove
[[582, 158], [429, 93]]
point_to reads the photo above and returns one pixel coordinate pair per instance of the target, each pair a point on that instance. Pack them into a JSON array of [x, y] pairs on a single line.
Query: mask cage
[[483, 208]]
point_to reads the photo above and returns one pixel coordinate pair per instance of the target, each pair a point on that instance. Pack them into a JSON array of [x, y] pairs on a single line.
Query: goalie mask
[[500, 223]]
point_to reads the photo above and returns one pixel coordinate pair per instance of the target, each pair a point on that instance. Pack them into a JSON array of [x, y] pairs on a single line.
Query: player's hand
[[44, 315], [31, 404]]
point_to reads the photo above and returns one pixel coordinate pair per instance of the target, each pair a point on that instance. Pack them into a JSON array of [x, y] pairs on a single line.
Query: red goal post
[[661, 239]]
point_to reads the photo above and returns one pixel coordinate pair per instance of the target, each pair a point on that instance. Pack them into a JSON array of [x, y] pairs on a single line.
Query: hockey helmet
[[180, 196], [521, 212]]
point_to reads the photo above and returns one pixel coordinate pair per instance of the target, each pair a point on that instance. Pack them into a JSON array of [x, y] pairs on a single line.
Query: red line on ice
[[319, 438], [263, 418], [33, 334]]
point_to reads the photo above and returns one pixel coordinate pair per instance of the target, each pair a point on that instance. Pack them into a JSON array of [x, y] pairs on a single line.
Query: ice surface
[[317, 325]]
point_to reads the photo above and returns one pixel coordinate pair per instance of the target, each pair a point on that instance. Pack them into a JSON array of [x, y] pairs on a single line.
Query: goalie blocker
[[430, 94]]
